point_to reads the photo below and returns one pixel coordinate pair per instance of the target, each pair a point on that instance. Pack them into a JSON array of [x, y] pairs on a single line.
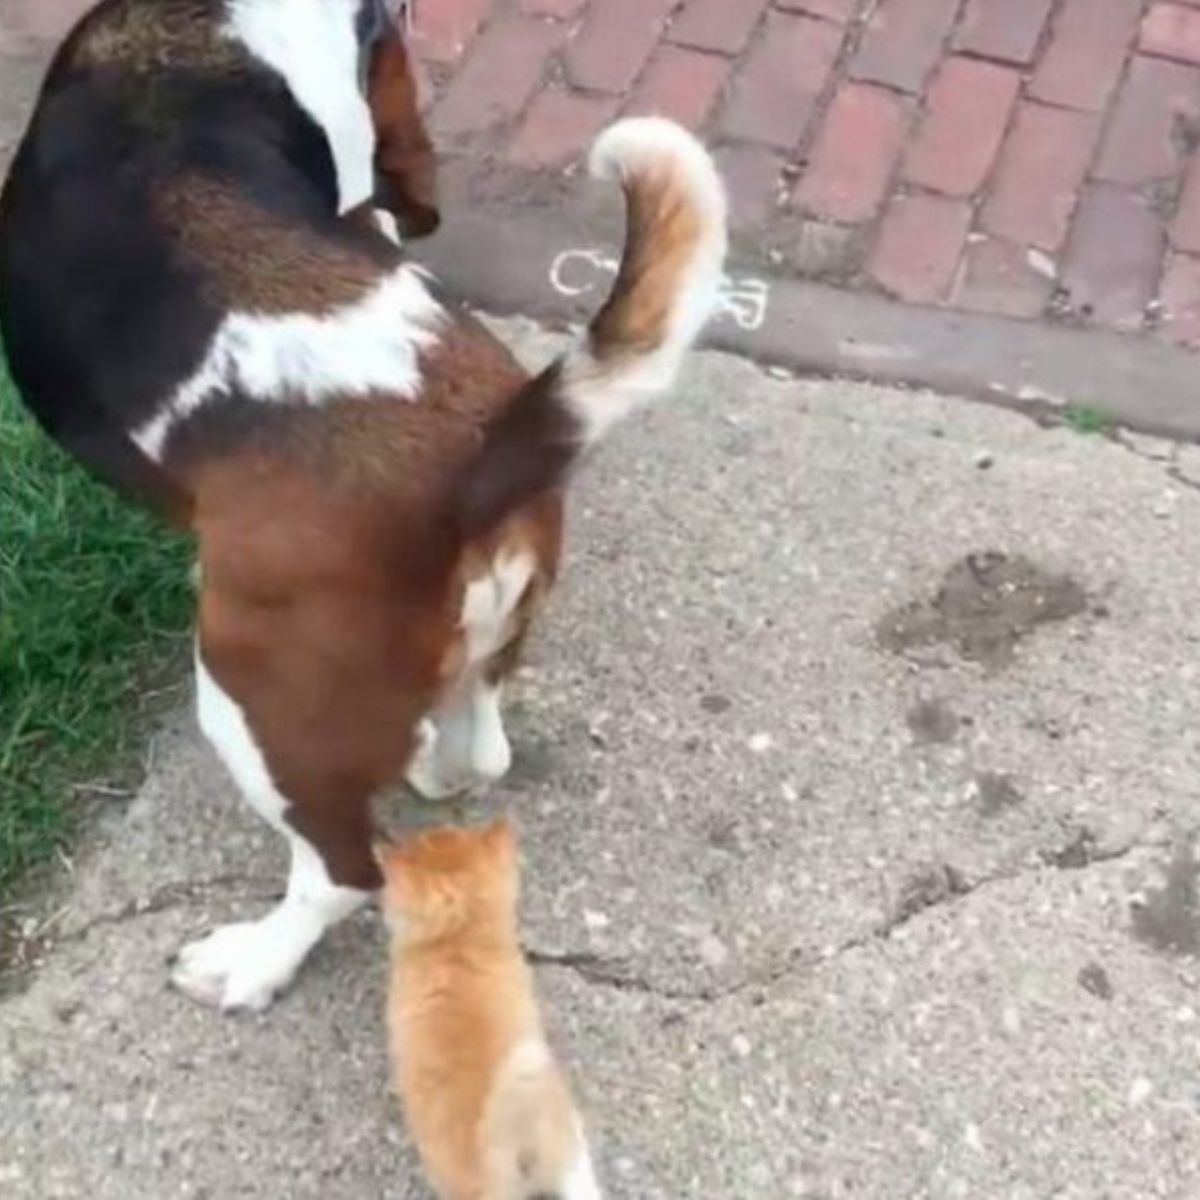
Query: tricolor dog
[[196, 305]]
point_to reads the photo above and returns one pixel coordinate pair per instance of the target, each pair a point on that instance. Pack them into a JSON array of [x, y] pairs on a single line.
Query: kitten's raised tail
[[667, 285]]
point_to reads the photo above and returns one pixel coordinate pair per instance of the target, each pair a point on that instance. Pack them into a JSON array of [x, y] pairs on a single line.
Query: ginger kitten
[[486, 1104]]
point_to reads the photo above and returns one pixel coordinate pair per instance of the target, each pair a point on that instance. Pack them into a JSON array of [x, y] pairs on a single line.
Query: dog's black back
[[100, 316]]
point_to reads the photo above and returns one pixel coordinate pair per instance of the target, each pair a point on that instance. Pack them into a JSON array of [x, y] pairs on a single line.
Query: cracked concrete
[[791, 944]]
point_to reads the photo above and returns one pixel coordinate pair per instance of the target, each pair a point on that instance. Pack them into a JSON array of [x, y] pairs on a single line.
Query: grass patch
[[94, 599], [1083, 418]]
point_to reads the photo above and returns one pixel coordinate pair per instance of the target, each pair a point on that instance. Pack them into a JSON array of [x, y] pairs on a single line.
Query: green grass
[[94, 602], [1083, 418]]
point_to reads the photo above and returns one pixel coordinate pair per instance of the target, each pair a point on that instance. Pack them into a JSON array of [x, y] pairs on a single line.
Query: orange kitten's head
[[443, 881]]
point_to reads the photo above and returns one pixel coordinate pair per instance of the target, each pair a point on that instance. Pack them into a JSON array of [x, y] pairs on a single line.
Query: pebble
[[713, 951]]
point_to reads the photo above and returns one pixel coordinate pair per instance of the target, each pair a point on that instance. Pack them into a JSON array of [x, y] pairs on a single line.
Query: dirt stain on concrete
[[931, 722], [996, 793], [534, 763], [1078, 851], [1169, 918], [926, 889], [984, 606], [1094, 978]]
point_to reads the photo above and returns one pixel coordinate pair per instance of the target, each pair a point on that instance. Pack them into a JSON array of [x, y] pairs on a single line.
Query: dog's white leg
[[463, 746], [246, 964]]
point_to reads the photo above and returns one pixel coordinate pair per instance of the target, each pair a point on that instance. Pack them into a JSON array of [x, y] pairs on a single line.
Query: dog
[[488, 1107], [198, 305]]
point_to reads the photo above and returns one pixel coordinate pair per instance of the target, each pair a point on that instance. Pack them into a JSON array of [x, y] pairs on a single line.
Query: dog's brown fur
[[488, 1109], [331, 594], [404, 157]]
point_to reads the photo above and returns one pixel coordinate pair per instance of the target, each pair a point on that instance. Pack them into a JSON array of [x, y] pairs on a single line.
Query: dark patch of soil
[[997, 793], [1074, 855], [1169, 920], [1094, 978], [931, 722], [926, 889], [983, 607]]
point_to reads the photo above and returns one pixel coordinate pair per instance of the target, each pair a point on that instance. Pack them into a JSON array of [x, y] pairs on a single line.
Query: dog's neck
[[314, 45]]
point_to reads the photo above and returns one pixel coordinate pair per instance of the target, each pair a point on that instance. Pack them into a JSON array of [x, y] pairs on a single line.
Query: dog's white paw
[[242, 966]]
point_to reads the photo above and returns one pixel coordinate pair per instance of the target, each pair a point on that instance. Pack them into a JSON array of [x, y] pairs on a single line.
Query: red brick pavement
[[1033, 158]]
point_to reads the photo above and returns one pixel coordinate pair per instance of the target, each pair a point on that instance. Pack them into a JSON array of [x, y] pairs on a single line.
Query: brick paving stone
[[1157, 103], [1041, 169], [443, 31], [903, 41], [681, 84], [1008, 30], [1113, 255], [1172, 31], [1179, 294], [920, 242], [499, 78], [614, 42], [854, 154], [558, 128], [1087, 51], [832, 10], [998, 277], [967, 113], [752, 178], [563, 10], [1185, 229], [773, 96], [721, 25]]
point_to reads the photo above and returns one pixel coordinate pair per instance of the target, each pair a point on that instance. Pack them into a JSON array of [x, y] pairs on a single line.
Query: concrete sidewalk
[[858, 856]]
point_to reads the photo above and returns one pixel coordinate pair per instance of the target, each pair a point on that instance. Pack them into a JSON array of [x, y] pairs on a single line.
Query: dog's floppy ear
[[399, 11], [405, 165], [377, 18]]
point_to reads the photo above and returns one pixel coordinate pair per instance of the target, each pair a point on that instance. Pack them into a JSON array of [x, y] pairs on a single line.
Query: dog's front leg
[[245, 965]]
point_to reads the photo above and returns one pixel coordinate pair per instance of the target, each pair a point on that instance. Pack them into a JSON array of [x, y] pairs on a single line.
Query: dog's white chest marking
[[314, 46], [371, 345]]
